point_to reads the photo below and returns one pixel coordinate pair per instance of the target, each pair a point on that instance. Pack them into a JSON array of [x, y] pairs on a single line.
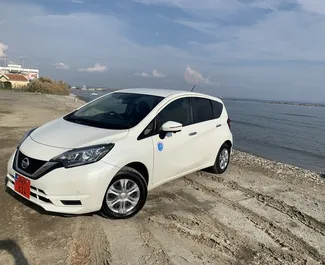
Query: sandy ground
[[259, 212]]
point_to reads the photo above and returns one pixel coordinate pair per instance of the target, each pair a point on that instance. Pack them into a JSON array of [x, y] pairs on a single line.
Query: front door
[[173, 155]]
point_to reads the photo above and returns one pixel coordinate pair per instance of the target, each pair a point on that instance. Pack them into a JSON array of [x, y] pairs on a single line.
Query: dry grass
[[47, 85]]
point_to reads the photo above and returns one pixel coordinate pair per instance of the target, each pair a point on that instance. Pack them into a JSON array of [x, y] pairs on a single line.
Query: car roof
[[160, 92]]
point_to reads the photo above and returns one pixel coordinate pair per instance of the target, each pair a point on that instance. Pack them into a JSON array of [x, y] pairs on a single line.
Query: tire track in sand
[[136, 245], [270, 201], [281, 206], [194, 230], [217, 236], [284, 238]]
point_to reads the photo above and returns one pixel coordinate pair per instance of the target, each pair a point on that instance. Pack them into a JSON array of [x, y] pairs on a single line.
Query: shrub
[[47, 85], [5, 85]]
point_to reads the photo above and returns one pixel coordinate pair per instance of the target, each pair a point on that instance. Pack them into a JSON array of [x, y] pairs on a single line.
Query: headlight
[[26, 134], [83, 156]]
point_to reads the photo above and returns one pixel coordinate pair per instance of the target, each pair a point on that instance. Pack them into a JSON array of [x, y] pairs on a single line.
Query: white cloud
[[88, 43], [194, 77], [97, 68], [62, 66], [155, 73], [292, 31], [202, 8], [281, 36], [232, 32], [143, 74], [3, 47], [315, 6]]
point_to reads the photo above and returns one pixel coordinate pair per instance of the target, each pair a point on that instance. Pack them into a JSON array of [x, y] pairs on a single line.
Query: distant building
[[13, 80], [17, 69]]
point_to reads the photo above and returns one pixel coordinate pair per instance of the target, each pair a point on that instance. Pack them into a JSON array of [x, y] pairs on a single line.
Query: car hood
[[64, 134]]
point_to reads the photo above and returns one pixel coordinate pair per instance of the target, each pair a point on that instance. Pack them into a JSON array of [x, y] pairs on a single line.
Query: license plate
[[22, 186]]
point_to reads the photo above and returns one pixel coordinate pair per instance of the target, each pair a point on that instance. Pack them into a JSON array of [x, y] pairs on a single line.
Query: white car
[[107, 154]]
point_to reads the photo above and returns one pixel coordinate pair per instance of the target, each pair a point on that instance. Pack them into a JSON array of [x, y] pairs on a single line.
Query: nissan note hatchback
[[106, 155]]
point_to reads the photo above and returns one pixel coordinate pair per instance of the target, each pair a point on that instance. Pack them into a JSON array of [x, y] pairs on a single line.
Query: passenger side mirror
[[171, 126]]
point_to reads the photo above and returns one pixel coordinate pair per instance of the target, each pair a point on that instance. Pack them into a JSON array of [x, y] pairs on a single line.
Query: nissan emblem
[[25, 163]]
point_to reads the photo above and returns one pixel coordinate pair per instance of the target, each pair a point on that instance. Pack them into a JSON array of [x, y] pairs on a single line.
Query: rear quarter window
[[217, 108]]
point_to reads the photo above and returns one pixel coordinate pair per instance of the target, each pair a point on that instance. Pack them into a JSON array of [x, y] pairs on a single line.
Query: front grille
[[33, 166], [36, 168]]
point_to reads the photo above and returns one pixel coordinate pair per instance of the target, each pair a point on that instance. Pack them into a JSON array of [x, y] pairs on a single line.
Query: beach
[[258, 212]]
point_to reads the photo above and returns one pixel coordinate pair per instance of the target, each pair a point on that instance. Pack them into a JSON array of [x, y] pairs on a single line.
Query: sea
[[291, 134]]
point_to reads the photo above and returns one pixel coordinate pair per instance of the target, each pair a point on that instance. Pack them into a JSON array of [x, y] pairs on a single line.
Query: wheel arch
[[228, 143], [141, 168]]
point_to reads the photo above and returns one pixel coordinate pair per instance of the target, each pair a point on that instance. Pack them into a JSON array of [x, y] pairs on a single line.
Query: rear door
[[207, 127]]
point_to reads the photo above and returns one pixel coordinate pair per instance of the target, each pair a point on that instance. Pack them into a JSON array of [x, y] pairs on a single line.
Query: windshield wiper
[[85, 121]]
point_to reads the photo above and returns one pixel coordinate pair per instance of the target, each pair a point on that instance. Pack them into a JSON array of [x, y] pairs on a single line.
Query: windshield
[[115, 111]]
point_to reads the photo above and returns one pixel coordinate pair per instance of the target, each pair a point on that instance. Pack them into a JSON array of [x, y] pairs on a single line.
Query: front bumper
[[75, 190]]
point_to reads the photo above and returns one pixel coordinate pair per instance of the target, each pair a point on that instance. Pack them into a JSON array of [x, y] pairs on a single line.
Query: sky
[[265, 49]]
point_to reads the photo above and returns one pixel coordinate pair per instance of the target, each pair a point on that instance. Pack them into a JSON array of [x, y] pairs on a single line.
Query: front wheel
[[222, 161], [125, 195]]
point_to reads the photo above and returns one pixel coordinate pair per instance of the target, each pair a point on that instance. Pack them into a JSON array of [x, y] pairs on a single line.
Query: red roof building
[[13, 80], [16, 77]]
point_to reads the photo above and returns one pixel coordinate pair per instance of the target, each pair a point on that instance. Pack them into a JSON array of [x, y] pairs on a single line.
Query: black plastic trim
[[71, 202], [46, 167]]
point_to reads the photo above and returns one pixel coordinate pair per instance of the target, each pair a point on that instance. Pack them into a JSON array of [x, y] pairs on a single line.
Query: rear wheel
[[125, 195], [222, 161]]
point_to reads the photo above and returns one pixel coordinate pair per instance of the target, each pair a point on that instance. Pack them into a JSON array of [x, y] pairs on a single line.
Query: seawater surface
[[291, 134]]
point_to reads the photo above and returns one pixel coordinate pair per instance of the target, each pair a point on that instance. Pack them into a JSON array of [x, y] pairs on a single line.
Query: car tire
[[125, 195], [222, 161]]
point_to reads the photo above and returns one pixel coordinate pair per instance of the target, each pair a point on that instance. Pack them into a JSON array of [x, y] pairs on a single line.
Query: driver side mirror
[[171, 126]]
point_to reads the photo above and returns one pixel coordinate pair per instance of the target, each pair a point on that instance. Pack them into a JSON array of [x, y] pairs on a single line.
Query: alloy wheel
[[223, 158], [123, 196]]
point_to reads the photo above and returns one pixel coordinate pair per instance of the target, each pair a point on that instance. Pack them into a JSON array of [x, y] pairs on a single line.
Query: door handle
[[192, 133], [219, 125]]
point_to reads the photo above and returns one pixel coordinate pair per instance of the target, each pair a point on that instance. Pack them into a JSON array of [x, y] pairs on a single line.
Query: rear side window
[[204, 110], [217, 109]]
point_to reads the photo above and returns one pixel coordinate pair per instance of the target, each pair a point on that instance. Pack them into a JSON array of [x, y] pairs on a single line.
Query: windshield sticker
[[160, 146]]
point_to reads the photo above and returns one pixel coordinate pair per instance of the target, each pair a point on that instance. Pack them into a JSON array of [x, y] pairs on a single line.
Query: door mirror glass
[[171, 126]]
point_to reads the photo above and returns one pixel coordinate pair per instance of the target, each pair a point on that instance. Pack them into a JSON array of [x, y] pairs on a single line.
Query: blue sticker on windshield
[[160, 146]]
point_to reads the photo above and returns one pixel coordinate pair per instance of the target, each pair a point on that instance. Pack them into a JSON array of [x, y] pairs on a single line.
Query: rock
[[275, 167]]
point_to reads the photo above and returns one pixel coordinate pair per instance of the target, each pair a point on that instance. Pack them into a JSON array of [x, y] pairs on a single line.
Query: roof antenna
[[193, 88]]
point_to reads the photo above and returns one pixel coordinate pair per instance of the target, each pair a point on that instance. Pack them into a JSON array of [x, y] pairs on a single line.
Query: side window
[[178, 110], [217, 109], [204, 111]]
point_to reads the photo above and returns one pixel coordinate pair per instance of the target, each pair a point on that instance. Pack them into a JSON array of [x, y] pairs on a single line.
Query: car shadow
[[39, 209], [14, 250]]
